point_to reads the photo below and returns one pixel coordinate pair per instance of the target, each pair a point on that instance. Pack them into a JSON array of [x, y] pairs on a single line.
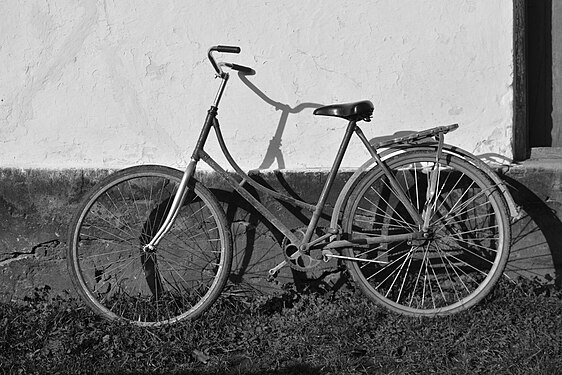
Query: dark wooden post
[[557, 73], [520, 138]]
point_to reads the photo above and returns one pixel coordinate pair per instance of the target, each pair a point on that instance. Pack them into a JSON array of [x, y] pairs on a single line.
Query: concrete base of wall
[[536, 245], [36, 206]]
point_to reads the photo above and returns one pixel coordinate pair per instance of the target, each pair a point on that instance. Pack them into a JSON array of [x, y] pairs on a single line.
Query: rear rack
[[416, 136]]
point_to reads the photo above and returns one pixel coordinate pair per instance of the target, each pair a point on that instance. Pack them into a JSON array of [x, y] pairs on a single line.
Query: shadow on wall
[[536, 238], [535, 245], [274, 150], [258, 245]]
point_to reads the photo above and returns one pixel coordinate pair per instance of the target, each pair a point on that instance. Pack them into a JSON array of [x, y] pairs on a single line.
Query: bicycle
[[423, 227]]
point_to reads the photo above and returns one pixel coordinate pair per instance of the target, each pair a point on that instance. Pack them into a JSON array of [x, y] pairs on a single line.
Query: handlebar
[[240, 68], [227, 49]]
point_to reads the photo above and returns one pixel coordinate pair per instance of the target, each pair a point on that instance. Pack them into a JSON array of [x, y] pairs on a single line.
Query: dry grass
[[518, 330]]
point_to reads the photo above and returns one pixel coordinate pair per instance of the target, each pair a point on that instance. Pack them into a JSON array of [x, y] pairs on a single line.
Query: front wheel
[[119, 277], [466, 248]]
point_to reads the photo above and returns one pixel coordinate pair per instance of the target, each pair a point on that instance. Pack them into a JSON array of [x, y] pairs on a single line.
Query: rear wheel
[[114, 272], [467, 245]]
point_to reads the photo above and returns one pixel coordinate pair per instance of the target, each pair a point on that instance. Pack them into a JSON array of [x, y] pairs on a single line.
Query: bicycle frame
[[199, 153]]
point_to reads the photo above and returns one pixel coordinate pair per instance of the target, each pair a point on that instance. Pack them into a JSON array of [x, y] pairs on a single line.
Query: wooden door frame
[[520, 136]]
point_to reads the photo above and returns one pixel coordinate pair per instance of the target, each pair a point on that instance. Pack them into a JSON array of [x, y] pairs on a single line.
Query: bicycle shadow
[[274, 149], [536, 239], [258, 245], [535, 244], [536, 235]]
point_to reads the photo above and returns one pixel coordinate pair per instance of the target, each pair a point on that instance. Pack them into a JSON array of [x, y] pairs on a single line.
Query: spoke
[[480, 218], [404, 279], [483, 229], [467, 209], [391, 206], [108, 253], [461, 198], [372, 219], [472, 244], [386, 266], [452, 214], [424, 264], [187, 245], [117, 280], [416, 187], [387, 226], [445, 259], [109, 224], [175, 285], [185, 266], [199, 223], [386, 253], [396, 278], [133, 199], [451, 190], [437, 281], [111, 212], [170, 198], [467, 264], [413, 293], [114, 265], [110, 265], [387, 204]]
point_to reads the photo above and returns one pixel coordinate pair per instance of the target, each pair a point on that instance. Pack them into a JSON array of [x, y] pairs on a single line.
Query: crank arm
[[276, 269]]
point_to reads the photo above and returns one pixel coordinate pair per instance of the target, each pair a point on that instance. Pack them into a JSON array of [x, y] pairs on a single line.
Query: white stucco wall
[[115, 83]]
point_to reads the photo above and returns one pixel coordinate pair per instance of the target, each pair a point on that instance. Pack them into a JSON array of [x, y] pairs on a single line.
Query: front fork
[[149, 259], [174, 209], [148, 255]]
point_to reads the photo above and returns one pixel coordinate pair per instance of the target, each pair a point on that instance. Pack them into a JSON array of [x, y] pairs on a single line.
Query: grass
[[517, 330]]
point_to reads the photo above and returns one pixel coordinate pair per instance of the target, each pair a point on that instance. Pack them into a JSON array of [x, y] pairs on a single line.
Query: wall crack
[[33, 253]]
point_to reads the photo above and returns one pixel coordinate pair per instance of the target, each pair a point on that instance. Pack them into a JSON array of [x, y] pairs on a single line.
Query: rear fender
[[514, 210]]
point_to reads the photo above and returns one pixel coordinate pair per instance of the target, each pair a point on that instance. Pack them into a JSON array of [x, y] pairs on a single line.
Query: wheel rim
[[161, 286], [465, 252]]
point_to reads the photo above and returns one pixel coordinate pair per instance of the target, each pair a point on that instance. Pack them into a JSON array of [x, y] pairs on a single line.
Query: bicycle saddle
[[355, 111]]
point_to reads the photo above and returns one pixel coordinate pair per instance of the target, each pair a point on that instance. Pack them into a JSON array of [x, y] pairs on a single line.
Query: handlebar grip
[[228, 49], [241, 68]]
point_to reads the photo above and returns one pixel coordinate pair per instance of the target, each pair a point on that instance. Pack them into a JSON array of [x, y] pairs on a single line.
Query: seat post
[[330, 181]]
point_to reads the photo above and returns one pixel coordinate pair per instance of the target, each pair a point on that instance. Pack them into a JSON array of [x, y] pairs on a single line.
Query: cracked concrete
[[36, 206], [42, 251]]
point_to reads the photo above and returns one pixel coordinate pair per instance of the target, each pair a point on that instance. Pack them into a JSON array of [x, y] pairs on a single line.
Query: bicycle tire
[[117, 279], [453, 269]]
